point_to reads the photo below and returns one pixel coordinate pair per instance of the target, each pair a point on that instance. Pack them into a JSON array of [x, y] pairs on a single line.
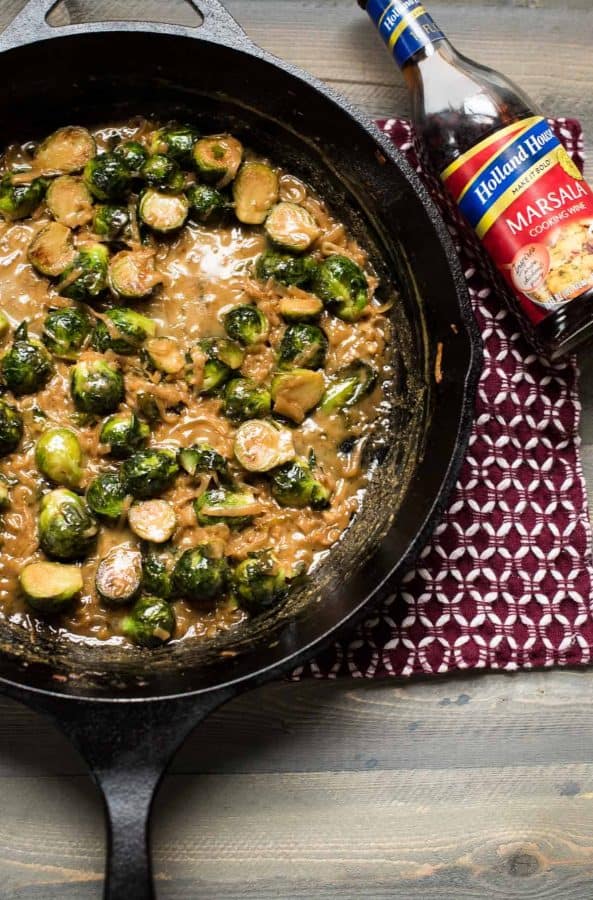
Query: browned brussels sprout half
[[67, 150], [69, 201], [50, 587], [51, 251]]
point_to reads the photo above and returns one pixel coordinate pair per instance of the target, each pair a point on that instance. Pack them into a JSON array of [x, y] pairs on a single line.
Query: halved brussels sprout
[[259, 582], [124, 433], [106, 496], [199, 575], [110, 221], [153, 520], [162, 172], [58, 455], [51, 251], [149, 472], [293, 485], [286, 269], [69, 201], [205, 200], [234, 507], [67, 529], [107, 177], [132, 154], [165, 355], [151, 622], [156, 578], [119, 576], [255, 191], [127, 330], [11, 428], [132, 274], [246, 324], [67, 150], [343, 287], [17, 201], [296, 392], [305, 308], [304, 346], [202, 458], [244, 399], [163, 212], [292, 227], [97, 387], [348, 386], [217, 158], [176, 141], [66, 331], [260, 446], [223, 358], [50, 587], [86, 277], [26, 366]]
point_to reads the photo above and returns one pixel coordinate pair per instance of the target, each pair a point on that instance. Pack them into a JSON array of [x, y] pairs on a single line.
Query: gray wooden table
[[473, 787]]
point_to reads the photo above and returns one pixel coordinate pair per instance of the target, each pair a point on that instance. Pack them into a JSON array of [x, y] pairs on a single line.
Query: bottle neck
[[406, 28]]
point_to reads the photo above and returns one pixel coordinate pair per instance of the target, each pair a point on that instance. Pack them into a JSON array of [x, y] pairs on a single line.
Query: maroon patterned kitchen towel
[[506, 580]]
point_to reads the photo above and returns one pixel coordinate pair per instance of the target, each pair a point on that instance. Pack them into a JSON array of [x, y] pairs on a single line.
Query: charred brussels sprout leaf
[[132, 154], [17, 201], [217, 158], [255, 192], [127, 330], [234, 507], [110, 221], [285, 269], [51, 251], [156, 578], [67, 529], [244, 399], [304, 346], [107, 176], [124, 433], [50, 587], [106, 495], [132, 274], [11, 428], [261, 446], [258, 582], [202, 458], [343, 287], [97, 387], [26, 366], [66, 331], [176, 141], [223, 357], [199, 575], [151, 622], [69, 201], [58, 455], [86, 278], [204, 201], [119, 575], [348, 386], [149, 472], [66, 150], [292, 227], [246, 324], [163, 212], [293, 485]]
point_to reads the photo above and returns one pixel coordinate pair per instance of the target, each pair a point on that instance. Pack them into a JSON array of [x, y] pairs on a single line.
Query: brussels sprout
[[147, 407], [234, 507], [66, 150], [285, 269], [259, 582], [17, 201], [86, 277], [26, 366], [165, 355], [162, 172], [132, 154], [107, 177], [246, 324], [348, 386], [58, 455], [199, 575], [151, 622], [260, 446], [304, 346], [149, 472], [244, 399], [124, 433], [132, 274], [156, 578], [127, 329], [202, 458], [153, 520], [217, 158], [51, 251], [222, 359], [50, 587], [163, 212], [97, 387], [110, 221], [11, 428], [205, 200], [296, 392], [66, 331], [293, 485], [106, 495], [67, 529], [4, 325], [69, 201], [292, 227], [304, 308], [255, 192], [119, 576], [4, 494], [343, 287], [176, 141]]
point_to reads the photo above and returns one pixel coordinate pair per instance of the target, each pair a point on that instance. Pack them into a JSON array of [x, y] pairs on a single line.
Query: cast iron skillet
[[127, 712]]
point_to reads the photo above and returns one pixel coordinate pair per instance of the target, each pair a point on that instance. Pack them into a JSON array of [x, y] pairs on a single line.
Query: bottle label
[[533, 212], [404, 25]]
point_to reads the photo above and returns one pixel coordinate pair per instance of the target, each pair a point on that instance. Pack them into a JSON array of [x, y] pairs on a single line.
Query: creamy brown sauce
[[206, 269]]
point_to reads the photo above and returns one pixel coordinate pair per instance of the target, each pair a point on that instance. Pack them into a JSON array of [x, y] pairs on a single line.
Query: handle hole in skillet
[[79, 12]]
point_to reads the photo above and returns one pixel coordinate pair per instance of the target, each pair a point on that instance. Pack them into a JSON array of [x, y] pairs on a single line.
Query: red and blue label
[[532, 210], [405, 26]]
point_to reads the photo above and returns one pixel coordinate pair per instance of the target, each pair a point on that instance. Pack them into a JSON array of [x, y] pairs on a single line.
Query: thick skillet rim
[[237, 41]]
